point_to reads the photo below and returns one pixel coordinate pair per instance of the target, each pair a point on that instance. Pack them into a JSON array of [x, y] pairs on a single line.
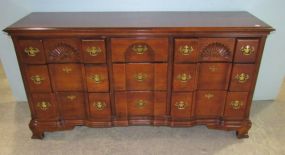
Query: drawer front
[[241, 79], [38, 78], [210, 103], [214, 76], [66, 77], [99, 106], [45, 106], [236, 105], [62, 50], [184, 78], [181, 106], [246, 50], [139, 50], [32, 51], [140, 76], [186, 50], [94, 51], [142, 104], [97, 78], [71, 105], [216, 49]]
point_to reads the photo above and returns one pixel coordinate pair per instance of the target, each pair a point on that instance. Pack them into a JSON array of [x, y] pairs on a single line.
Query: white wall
[[271, 11]]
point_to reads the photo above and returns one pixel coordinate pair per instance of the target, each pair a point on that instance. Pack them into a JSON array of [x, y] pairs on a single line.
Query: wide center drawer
[[139, 50]]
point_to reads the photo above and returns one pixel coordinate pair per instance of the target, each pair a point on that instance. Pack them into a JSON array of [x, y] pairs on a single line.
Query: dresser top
[[180, 21]]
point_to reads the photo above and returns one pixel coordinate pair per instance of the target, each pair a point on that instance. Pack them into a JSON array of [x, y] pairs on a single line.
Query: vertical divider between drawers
[[170, 73]]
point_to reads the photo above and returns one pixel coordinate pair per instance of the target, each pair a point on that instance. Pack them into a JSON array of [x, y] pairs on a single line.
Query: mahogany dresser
[[176, 69]]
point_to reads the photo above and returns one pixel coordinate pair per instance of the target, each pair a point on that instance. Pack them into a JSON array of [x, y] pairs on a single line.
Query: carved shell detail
[[63, 51], [215, 50]]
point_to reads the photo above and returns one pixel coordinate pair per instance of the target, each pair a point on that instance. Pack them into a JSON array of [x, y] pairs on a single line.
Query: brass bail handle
[[140, 49]]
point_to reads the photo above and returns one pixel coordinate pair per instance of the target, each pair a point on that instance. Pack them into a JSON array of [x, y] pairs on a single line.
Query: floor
[[267, 136]]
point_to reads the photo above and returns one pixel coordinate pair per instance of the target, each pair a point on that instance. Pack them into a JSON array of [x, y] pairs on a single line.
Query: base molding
[[240, 126]]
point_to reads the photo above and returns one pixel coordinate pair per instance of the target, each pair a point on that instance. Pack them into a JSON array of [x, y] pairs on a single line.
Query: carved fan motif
[[215, 50], [63, 51]]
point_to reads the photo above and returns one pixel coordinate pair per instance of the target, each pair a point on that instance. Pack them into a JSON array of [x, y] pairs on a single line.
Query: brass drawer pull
[[186, 50], [37, 79], [209, 96], [99, 105], [181, 105], [140, 49], [184, 77], [140, 77], [213, 68], [66, 70], [32, 51], [94, 51], [96, 78], [247, 50], [236, 104], [140, 103], [43, 105], [242, 78], [71, 97]]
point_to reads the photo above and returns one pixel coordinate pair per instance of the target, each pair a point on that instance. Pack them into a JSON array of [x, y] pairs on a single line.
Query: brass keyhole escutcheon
[[242, 78], [94, 51], [96, 78], [213, 68], [140, 49], [140, 77], [209, 96], [247, 50], [32, 51], [37, 79], [71, 97], [43, 105], [184, 77], [66, 70], [186, 50], [99, 105], [140, 103], [236, 104], [181, 105]]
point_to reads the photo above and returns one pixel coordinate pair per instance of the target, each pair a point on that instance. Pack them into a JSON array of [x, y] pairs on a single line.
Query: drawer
[[32, 51], [236, 105], [242, 75], [62, 50], [181, 105], [45, 106], [186, 50], [140, 76], [216, 49], [38, 78], [66, 77], [139, 50], [246, 50], [214, 76], [135, 104], [209, 103], [184, 78], [97, 78], [99, 106], [71, 105], [94, 51]]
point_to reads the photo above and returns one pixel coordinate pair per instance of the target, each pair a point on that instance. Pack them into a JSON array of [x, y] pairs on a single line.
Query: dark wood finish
[[66, 77], [97, 78], [242, 76], [88, 64], [210, 103], [94, 51], [38, 78], [71, 105], [214, 76]]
